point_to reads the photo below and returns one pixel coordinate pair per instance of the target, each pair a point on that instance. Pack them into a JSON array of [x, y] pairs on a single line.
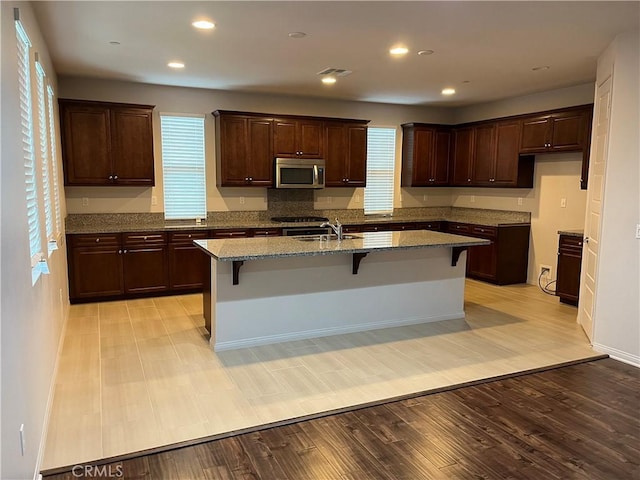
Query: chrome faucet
[[337, 228]]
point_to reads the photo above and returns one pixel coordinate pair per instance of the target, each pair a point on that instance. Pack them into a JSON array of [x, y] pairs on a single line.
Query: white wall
[[32, 317], [617, 304], [191, 100]]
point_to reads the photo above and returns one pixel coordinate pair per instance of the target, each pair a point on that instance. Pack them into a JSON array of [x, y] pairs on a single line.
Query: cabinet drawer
[[266, 232], [571, 243], [94, 240], [144, 238], [484, 231], [459, 228], [230, 233], [436, 226], [188, 237]]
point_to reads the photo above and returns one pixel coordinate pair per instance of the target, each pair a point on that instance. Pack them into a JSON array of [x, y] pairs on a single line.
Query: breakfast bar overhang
[[274, 289]]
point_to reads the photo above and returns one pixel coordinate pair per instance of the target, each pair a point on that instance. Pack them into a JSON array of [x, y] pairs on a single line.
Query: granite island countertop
[[154, 222], [239, 249]]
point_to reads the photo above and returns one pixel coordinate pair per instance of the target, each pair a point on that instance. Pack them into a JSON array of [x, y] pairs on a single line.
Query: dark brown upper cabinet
[[298, 138], [244, 149], [106, 143], [566, 130], [425, 155], [345, 153]]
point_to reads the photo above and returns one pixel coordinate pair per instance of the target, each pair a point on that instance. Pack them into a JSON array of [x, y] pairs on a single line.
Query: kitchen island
[[269, 290]]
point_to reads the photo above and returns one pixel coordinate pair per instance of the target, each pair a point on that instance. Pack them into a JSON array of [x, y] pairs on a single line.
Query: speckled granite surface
[[275, 247], [572, 233], [149, 222]]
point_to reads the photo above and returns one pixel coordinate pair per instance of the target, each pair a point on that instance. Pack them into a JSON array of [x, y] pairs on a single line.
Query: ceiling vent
[[337, 72]]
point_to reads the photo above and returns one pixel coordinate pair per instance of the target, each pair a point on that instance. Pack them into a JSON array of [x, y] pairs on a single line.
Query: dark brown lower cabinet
[[568, 269], [505, 261], [187, 263]]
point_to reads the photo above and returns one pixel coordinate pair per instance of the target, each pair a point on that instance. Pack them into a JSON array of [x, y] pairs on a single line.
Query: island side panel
[[282, 299]]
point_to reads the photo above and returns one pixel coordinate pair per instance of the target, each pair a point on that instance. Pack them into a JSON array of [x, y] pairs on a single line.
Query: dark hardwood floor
[[575, 422]]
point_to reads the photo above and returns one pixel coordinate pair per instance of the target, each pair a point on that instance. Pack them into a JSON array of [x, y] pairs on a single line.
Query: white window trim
[[53, 155], [38, 260]]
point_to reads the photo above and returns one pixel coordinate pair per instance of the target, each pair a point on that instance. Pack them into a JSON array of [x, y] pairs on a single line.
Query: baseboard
[[52, 388], [326, 332], [618, 354]]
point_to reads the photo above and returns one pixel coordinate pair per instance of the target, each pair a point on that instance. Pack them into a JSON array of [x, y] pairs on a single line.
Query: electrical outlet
[[638, 230], [357, 198], [154, 200], [472, 199], [241, 200], [329, 200], [545, 271], [563, 203], [519, 201], [85, 202], [424, 197], [22, 442]]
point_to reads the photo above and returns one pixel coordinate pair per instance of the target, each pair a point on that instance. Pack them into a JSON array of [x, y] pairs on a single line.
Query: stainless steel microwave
[[299, 173]]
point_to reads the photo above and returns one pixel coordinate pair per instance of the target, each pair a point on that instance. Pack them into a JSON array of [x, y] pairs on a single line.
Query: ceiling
[[485, 50]]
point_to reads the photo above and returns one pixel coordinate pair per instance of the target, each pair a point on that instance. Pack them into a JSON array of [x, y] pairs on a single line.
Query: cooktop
[[299, 219]]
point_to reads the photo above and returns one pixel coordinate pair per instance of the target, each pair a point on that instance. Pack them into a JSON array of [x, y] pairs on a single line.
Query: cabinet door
[[145, 269], [440, 161], [462, 156], [260, 151], [132, 146], [423, 144], [568, 269], [95, 272], [568, 131], [86, 144], [335, 155], [482, 261], [284, 142], [507, 153], [232, 148], [309, 138], [187, 267], [484, 155], [356, 161], [535, 134]]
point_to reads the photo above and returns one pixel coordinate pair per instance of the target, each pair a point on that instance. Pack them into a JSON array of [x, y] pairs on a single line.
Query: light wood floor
[[140, 374]]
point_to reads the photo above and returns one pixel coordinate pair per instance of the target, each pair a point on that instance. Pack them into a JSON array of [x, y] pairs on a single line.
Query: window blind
[[183, 166], [381, 151], [44, 154], [26, 120], [54, 162]]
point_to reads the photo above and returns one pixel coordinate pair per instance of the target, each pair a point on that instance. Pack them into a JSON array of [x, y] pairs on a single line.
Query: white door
[[593, 220]]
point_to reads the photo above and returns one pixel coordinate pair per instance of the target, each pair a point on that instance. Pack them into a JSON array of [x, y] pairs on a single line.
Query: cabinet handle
[[110, 177], [251, 179], [580, 243], [115, 177], [124, 251], [97, 240], [119, 252], [468, 179], [189, 236], [347, 180]]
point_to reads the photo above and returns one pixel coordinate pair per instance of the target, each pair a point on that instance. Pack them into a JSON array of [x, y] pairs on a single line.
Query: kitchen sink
[[325, 237]]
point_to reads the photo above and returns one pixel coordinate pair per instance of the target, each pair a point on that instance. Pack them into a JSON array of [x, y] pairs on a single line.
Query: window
[[26, 120], [381, 154], [44, 157], [183, 166], [54, 161]]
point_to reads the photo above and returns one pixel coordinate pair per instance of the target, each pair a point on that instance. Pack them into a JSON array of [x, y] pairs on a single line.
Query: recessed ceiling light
[[425, 52], [448, 91], [204, 24], [542, 67], [328, 80], [297, 34], [175, 64], [113, 42], [399, 51]]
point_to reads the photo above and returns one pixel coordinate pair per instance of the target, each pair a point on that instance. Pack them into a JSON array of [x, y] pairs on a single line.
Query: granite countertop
[[572, 233], [154, 222], [275, 247]]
